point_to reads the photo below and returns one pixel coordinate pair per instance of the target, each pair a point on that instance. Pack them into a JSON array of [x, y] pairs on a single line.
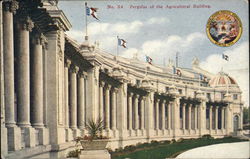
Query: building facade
[[51, 85]]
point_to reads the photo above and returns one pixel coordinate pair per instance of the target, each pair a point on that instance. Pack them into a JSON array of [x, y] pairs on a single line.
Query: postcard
[[131, 79]]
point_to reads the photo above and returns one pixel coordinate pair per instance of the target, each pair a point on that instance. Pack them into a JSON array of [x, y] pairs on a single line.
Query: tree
[[246, 116]]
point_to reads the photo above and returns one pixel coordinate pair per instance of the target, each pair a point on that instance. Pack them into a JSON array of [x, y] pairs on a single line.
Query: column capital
[[39, 39], [74, 69], [136, 95], [184, 104], [82, 74], [157, 100], [67, 62], [102, 84], [164, 101], [11, 6], [131, 94], [25, 22], [143, 98], [115, 89], [108, 87]]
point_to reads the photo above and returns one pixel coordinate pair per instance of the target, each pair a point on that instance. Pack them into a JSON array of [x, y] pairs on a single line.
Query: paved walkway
[[227, 150]]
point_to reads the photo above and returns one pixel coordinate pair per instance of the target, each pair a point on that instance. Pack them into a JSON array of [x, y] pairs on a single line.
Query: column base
[[4, 141], [76, 133], [94, 154], [115, 133], [14, 138], [69, 134], [108, 133], [143, 132], [132, 133], [156, 132], [43, 136], [29, 136], [163, 132]]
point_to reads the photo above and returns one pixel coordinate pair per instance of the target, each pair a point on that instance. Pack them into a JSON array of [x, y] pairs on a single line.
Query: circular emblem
[[224, 28]]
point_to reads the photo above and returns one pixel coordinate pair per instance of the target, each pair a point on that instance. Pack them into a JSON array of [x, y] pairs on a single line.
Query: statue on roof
[[195, 62], [170, 63], [135, 56]]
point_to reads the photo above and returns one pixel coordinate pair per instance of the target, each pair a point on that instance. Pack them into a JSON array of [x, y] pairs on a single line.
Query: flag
[[122, 42], [201, 77], [225, 57], [174, 70], [91, 11], [149, 60], [178, 72]]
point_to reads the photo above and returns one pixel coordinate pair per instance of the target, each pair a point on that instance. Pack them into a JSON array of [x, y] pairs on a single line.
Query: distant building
[[50, 85]]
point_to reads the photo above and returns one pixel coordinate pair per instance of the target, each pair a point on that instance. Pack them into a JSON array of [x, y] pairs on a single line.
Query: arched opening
[[236, 123]]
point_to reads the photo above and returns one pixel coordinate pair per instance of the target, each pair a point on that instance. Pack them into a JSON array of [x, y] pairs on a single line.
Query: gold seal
[[224, 28]]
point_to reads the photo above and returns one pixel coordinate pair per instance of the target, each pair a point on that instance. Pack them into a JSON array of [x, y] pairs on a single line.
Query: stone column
[[184, 116], [228, 120], [122, 119], [163, 114], [202, 117], [157, 114], [142, 113], [8, 54], [24, 26], [107, 105], [195, 117], [101, 111], [130, 117], [38, 41], [73, 96], [81, 99], [189, 116], [66, 91], [149, 115], [136, 112], [169, 116], [216, 118], [223, 118], [176, 117], [114, 109], [211, 117]]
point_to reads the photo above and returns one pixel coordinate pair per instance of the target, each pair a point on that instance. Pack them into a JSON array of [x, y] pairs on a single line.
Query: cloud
[[120, 28], [157, 20], [159, 49], [129, 52], [237, 66], [103, 31]]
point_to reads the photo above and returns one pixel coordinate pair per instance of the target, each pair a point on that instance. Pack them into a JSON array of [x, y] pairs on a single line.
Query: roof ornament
[[135, 56], [53, 2], [170, 63], [195, 62]]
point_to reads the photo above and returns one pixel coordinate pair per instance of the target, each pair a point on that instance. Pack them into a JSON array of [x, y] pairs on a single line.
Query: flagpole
[[86, 22], [117, 49]]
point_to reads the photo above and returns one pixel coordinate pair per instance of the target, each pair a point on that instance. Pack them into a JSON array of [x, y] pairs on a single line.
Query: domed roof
[[222, 79]]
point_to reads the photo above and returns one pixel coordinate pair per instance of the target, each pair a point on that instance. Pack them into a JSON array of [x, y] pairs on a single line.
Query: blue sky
[[161, 32]]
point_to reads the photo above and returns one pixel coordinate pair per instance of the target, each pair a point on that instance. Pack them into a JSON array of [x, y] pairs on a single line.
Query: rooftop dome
[[222, 79]]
